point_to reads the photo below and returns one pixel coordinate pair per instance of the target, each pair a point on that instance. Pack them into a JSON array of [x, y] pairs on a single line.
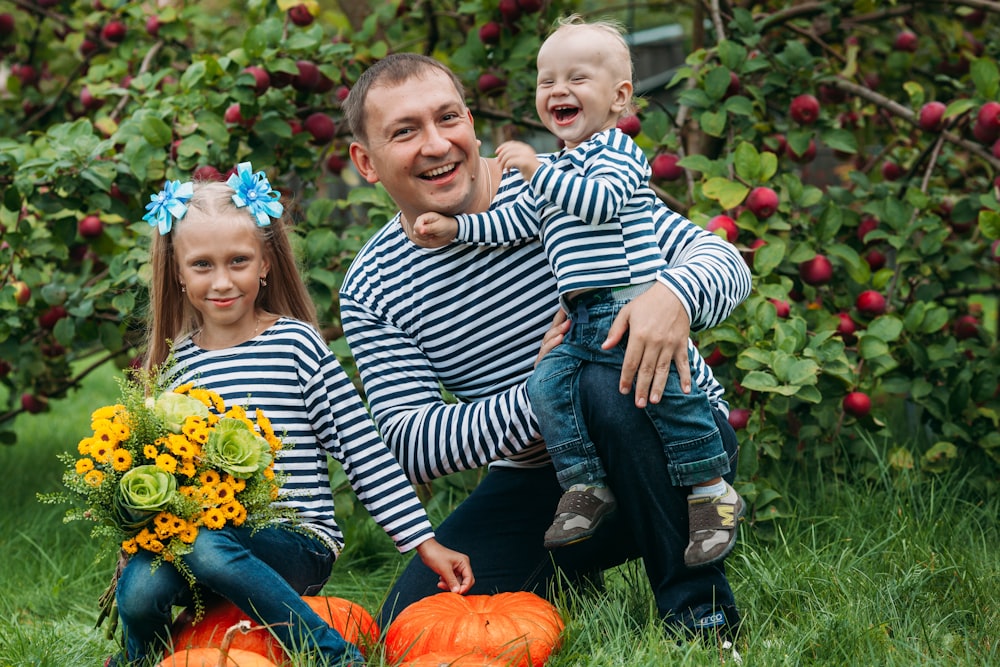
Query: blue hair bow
[[254, 192], [167, 204]]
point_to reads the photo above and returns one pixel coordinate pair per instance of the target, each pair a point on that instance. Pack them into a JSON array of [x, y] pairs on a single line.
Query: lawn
[[903, 571]]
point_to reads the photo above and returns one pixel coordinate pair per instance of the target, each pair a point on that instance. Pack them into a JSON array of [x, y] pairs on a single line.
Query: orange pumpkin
[[212, 657], [520, 629], [348, 618], [444, 659]]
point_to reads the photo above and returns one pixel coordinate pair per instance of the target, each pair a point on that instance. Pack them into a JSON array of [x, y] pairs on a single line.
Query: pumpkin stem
[[227, 640]]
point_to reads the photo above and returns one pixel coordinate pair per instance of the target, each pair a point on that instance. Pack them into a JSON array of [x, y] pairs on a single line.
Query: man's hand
[[554, 335], [658, 329], [518, 155], [433, 230]]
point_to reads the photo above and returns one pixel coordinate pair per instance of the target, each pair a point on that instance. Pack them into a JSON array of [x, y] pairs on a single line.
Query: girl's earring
[[263, 281], [183, 288]]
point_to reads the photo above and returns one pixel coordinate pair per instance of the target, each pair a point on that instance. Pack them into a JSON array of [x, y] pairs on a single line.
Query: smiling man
[[470, 320]]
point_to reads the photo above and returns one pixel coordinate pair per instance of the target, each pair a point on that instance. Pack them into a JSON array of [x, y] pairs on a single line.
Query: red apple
[[847, 327], [738, 418], [966, 326], [781, 307], [207, 172], [5, 368], [816, 271], [510, 10], [875, 259], [868, 223], [153, 26], [906, 40], [90, 226], [114, 32], [762, 202], [233, 114], [320, 126], [489, 33], [664, 167], [870, 303], [32, 403], [529, 6], [715, 358], [6, 25], [342, 92], [931, 117], [776, 144], [734, 87], [262, 80], [88, 101], [308, 76], [22, 293], [335, 163], [891, 171], [804, 109], [300, 15], [491, 84], [630, 125], [857, 404], [50, 317], [986, 128], [726, 224]]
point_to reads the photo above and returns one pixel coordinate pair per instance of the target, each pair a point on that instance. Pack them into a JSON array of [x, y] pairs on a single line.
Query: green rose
[[142, 492], [173, 408], [234, 448]]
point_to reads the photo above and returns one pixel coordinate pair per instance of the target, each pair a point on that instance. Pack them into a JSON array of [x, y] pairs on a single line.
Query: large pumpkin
[[348, 618], [442, 659], [521, 629], [212, 657]]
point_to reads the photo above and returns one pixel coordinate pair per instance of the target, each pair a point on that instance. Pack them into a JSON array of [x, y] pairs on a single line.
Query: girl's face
[[220, 263]]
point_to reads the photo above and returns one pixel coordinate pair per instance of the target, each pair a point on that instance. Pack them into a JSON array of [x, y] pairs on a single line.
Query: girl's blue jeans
[[684, 422], [264, 573], [501, 524]]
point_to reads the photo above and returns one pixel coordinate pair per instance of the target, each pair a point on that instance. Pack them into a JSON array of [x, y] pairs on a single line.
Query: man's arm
[[429, 436]]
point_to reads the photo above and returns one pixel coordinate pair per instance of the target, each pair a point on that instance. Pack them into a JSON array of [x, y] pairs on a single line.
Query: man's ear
[[623, 97], [362, 161]]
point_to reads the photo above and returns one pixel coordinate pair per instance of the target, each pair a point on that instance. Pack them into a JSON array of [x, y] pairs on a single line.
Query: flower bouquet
[[159, 467]]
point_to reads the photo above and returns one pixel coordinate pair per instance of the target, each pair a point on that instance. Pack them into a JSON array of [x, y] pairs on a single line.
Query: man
[[470, 320]]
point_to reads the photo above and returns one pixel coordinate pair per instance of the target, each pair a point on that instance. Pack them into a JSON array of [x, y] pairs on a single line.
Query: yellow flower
[[83, 466], [107, 412], [179, 445], [84, 446], [166, 463], [223, 493], [106, 435], [163, 523], [94, 478], [130, 547], [150, 451], [234, 512], [209, 477], [121, 430], [186, 467], [209, 398], [100, 451], [121, 459], [237, 412], [188, 533], [184, 388], [214, 518], [235, 482], [155, 546]]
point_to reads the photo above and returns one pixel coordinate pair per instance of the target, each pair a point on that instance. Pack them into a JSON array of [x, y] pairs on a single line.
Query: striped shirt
[[592, 207], [292, 376], [469, 319]]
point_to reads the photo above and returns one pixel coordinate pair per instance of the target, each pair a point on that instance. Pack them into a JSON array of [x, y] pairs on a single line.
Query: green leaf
[[989, 223], [870, 347], [769, 256], [728, 193], [840, 140], [155, 131], [746, 160], [759, 381], [886, 327], [714, 122], [985, 77]]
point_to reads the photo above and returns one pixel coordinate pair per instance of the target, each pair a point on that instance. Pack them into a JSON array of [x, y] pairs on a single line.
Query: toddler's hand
[[453, 567], [518, 155], [433, 230]]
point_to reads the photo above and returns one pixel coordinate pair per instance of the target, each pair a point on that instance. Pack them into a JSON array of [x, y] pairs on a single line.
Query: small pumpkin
[[214, 657], [520, 629], [348, 618]]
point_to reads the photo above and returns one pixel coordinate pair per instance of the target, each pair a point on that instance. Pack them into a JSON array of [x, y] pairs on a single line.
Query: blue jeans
[[684, 422], [264, 573], [501, 523]]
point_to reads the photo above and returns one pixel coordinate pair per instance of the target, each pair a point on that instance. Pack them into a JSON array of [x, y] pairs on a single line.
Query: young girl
[[229, 306]]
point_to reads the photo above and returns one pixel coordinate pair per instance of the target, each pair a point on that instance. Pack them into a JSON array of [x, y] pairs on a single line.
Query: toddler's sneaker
[[578, 515], [713, 522]]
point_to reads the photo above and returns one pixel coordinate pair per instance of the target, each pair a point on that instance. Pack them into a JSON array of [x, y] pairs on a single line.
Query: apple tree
[[849, 150]]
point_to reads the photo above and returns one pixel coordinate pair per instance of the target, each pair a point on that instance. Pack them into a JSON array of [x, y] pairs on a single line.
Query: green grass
[[903, 571]]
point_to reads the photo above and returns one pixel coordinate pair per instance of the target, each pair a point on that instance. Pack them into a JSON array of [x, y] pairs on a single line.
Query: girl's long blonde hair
[[171, 316]]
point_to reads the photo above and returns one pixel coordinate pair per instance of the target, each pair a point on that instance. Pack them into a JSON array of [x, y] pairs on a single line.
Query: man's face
[[421, 145]]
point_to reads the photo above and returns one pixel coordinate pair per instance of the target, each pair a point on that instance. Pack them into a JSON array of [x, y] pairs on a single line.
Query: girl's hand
[[453, 567]]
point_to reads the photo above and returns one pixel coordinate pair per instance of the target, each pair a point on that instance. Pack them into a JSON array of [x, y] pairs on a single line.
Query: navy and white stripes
[[290, 374], [468, 320]]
